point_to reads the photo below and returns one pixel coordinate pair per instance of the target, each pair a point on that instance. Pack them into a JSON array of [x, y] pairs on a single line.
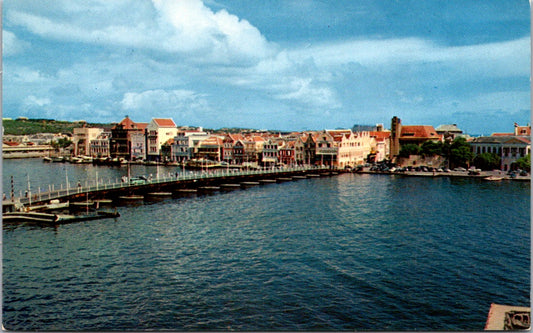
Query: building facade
[[100, 145], [158, 132], [508, 148], [81, 140]]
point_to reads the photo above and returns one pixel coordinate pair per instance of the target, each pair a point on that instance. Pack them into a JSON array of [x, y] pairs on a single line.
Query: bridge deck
[[182, 180]]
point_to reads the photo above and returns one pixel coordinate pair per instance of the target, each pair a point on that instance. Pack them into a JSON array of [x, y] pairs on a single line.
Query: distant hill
[[360, 128], [33, 126]]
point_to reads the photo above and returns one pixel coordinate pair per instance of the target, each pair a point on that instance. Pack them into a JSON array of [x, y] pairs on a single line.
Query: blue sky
[[286, 65]]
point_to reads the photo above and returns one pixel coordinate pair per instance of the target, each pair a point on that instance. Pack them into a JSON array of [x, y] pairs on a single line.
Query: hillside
[[33, 126]]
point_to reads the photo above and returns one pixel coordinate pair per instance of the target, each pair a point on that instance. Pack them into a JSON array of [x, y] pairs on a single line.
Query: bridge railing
[[217, 173]]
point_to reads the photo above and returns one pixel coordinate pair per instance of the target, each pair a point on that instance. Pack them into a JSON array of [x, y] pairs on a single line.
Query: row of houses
[[162, 140]]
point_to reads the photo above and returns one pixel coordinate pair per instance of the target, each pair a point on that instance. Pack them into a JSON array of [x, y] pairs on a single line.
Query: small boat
[[29, 217], [53, 219], [58, 159], [493, 178], [86, 159], [47, 159], [53, 205]]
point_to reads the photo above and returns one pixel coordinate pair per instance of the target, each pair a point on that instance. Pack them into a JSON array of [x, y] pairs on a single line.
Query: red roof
[[380, 135], [127, 123], [141, 125], [419, 132], [164, 122], [235, 137], [502, 134], [212, 141]]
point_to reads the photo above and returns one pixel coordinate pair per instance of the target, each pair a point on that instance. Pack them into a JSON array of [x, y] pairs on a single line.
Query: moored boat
[[53, 219]]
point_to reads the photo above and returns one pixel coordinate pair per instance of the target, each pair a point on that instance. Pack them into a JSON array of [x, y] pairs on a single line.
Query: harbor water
[[348, 252]]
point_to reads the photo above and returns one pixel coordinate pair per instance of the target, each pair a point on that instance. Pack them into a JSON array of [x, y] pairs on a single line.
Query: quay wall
[[454, 174]]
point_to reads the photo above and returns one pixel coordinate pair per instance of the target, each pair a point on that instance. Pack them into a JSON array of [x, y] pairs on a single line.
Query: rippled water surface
[[363, 252]]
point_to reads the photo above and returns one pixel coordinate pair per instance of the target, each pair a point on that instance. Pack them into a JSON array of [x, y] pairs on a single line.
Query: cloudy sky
[[275, 64]]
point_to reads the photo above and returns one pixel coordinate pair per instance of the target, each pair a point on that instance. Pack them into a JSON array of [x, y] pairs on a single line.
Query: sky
[[277, 64]]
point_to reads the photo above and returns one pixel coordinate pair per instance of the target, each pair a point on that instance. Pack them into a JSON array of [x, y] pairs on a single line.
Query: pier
[[181, 183]]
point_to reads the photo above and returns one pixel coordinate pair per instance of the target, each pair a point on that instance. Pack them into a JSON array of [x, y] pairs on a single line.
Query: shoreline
[[454, 174]]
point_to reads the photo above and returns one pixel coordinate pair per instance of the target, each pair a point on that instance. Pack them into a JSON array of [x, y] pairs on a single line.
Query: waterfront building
[[228, 154], [238, 151], [100, 145], [508, 146], [252, 149], [270, 153], [287, 152], [121, 142], [409, 134], [159, 130], [299, 146], [81, 140], [138, 143], [186, 143], [352, 148], [326, 149], [380, 150], [11, 149], [211, 148], [309, 141]]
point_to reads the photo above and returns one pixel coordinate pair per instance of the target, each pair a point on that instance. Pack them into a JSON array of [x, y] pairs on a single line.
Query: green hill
[[33, 126]]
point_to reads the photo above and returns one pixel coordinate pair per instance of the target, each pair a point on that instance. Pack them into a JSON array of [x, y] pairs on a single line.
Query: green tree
[[61, 143], [409, 149], [460, 153], [431, 148], [524, 163], [487, 161]]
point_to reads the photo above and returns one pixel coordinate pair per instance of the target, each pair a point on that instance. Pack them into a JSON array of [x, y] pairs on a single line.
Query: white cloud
[[162, 100], [184, 27], [495, 59], [32, 101], [23, 74], [305, 92], [11, 45]]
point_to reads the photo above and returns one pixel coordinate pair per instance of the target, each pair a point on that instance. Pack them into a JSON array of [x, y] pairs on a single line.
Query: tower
[[396, 129]]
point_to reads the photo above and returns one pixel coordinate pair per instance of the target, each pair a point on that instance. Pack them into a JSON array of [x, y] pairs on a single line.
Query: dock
[[508, 317]]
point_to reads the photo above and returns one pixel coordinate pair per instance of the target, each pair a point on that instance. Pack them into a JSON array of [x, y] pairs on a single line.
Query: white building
[[100, 145], [186, 143], [159, 131], [82, 138]]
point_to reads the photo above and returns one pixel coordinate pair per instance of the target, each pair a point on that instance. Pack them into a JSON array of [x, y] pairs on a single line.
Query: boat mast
[[29, 189]]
